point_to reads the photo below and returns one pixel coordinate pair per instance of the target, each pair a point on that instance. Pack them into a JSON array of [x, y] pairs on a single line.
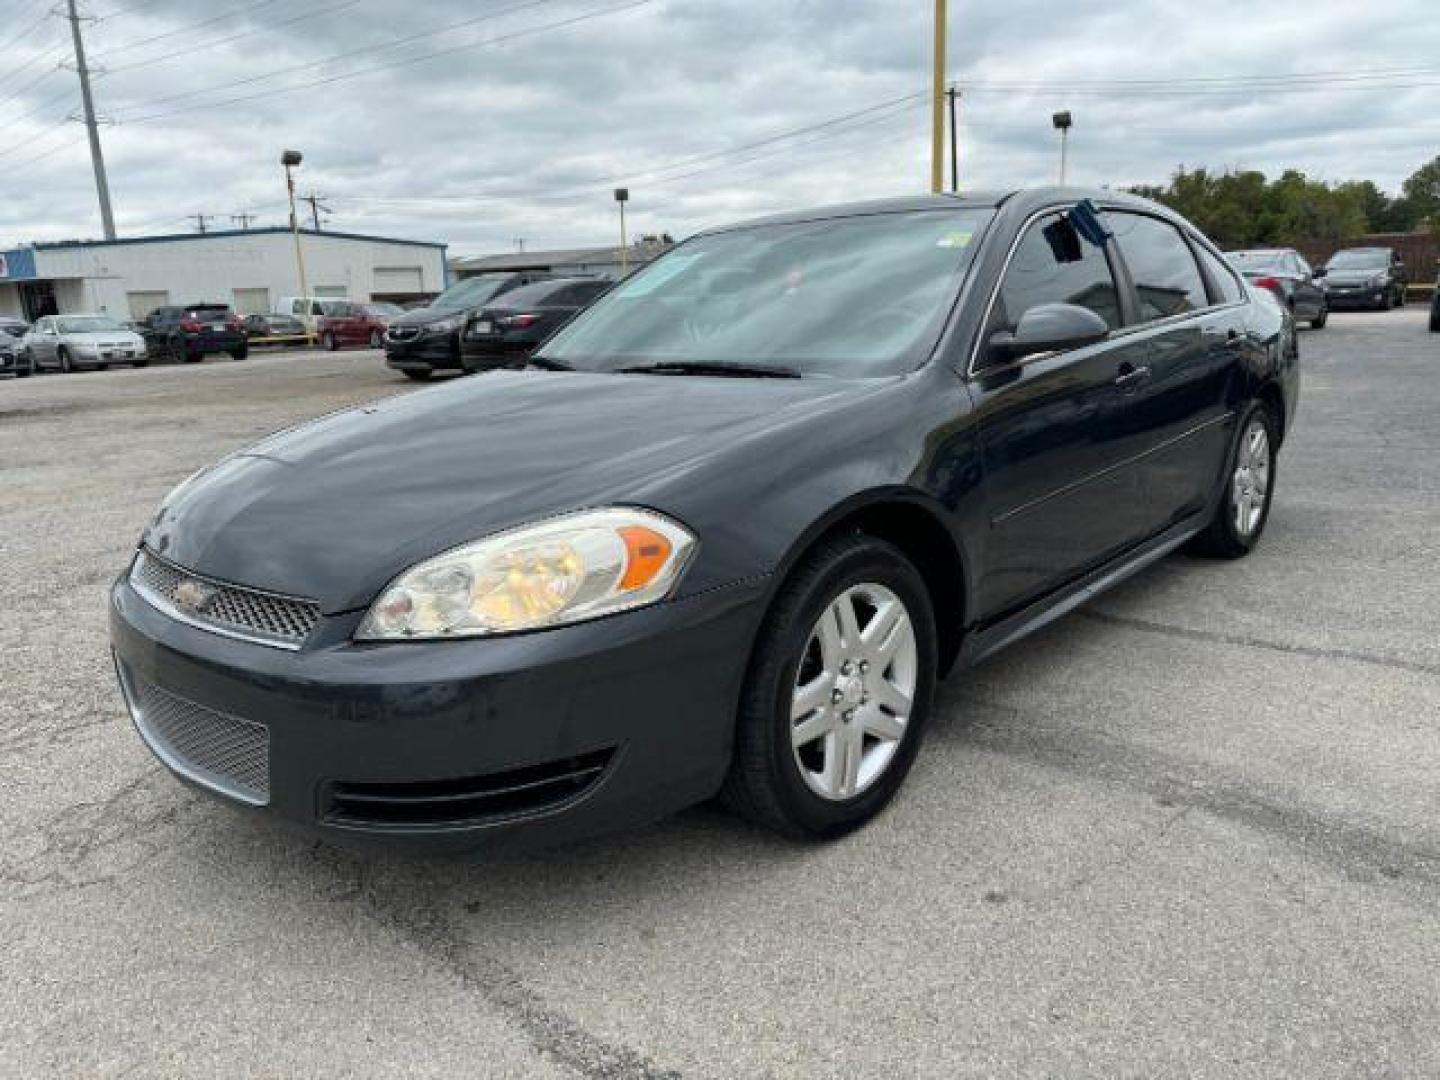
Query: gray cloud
[[522, 138]]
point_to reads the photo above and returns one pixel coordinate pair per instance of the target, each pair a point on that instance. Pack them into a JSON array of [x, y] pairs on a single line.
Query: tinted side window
[[1221, 274], [1053, 264], [1166, 277]]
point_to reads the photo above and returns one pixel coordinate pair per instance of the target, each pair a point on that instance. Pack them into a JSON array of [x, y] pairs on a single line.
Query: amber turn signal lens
[[646, 554]]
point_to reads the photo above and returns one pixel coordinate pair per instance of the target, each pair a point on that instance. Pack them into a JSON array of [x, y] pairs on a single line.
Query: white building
[[249, 270]]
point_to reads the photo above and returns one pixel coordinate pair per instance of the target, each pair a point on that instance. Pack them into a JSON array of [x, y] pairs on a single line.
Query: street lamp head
[[1061, 120], [622, 194], [290, 158]]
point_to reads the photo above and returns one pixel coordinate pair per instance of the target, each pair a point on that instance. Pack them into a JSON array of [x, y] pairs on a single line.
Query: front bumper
[[1357, 296], [483, 354], [646, 698], [428, 352]]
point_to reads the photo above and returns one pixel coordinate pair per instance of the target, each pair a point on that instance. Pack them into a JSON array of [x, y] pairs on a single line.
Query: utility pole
[[243, 220], [622, 196], [97, 157], [1063, 122], [315, 207], [200, 220], [937, 104], [954, 95]]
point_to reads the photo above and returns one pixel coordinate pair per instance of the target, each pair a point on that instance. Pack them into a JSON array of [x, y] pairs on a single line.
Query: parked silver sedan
[[71, 342]]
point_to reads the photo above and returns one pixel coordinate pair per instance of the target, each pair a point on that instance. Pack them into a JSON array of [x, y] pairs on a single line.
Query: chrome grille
[[220, 751], [262, 617]]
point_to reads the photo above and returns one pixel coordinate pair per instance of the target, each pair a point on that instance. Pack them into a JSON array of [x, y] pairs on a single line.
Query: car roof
[[1038, 197]]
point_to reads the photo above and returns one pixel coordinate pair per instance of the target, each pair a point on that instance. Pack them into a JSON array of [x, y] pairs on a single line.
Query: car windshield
[[387, 311], [88, 324], [13, 329], [472, 292], [1359, 260], [1256, 260], [849, 296]]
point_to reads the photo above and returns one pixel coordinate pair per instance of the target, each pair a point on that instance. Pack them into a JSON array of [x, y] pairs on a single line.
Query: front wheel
[[1250, 485], [63, 356], [418, 374], [377, 339], [328, 342], [838, 693], [240, 353], [1318, 322]]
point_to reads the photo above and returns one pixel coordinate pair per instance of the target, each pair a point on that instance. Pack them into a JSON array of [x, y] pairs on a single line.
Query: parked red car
[[346, 323]]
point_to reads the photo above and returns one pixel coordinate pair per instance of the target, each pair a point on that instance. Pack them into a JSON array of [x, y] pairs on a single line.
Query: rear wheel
[[140, 361], [419, 375], [1244, 508], [240, 353], [838, 693], [327, 342], [1318, 323], [377, 340], [62, 355]]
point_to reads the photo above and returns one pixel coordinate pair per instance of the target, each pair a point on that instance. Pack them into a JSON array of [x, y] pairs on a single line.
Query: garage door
[[252, 301], [405, 280], [143, 303]]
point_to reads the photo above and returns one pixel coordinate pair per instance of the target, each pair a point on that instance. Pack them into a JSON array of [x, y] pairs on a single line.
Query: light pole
[[1063, 122], [622, 196], [291, 159], [937, 103]]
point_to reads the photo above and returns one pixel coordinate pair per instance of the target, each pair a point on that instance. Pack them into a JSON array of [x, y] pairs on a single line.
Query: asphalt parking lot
[[1190, 830]]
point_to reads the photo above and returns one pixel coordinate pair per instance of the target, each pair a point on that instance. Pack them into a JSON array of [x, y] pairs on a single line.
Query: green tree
[[1422, 190]]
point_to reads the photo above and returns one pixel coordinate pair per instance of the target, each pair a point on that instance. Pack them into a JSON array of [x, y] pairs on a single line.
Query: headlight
[[555, 572], [1378, 279], [445, 326]]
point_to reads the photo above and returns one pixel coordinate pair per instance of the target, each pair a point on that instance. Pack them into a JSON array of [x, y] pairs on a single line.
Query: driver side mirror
[[1048, 328]]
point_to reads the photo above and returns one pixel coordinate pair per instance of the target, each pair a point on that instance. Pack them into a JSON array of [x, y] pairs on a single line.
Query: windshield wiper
[[700, 367], [544, 363]]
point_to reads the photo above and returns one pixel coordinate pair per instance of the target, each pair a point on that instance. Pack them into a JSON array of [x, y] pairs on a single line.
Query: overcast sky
[[710, 110]]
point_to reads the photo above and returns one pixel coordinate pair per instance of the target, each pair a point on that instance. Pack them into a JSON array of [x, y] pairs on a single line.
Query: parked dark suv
[[1435, 308], [194, 331], [1368, 277], [419, 343], [510, 327]]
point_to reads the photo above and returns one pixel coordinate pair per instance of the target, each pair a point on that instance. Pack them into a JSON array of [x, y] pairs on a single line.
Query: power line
[[39, 108], [324, 61], [23, 34], [187, 29], [215, 43]]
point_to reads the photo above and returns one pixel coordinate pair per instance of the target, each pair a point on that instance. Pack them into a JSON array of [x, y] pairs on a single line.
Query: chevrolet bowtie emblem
[[191, 595]]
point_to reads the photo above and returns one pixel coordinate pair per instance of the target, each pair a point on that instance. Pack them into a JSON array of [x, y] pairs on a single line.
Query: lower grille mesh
[[216, 749]]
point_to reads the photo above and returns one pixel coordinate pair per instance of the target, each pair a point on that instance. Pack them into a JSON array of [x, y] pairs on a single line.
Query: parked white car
[[71, 342], [308, 309]]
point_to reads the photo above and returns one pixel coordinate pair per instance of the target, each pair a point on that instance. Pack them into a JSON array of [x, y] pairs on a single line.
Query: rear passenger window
[[1167, 278], [1222, 276], [1055, 265]]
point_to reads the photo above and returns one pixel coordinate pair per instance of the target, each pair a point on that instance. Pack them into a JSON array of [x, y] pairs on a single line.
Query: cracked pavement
[[1189, 830]]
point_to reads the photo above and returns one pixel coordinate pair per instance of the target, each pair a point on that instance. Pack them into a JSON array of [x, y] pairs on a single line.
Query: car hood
[[1353, 277], [102, 337], [333, 510], [426, 316]]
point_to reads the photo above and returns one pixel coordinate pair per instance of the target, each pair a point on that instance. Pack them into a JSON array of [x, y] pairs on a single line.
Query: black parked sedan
[[723, 535], [508, 331], [1285, 273], [1368, 277], [420, 343]]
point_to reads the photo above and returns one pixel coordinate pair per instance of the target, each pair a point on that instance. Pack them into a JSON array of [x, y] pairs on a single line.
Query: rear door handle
[[1131, 377]]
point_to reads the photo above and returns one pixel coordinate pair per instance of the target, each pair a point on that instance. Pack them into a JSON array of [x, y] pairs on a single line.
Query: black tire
[[377, 339], [1318, 323], [1435, 318], [140, 361], [240, 353], [1222, 538], [765, 783], [1399, 296], [25, 363], [419, 375], [62, 358], [328, 342]]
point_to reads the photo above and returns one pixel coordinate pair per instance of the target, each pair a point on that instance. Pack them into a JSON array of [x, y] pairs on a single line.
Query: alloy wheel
[[853, 692], [1251, 482]]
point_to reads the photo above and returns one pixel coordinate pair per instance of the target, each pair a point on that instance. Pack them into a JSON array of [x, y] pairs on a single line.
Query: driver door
[[43, 341], [1061, 496]]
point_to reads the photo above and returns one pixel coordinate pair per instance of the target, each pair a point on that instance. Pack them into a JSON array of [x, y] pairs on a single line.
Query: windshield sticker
[[955, 240]]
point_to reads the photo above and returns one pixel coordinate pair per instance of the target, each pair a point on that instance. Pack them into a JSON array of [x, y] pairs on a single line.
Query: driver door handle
[[1131, 377]]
